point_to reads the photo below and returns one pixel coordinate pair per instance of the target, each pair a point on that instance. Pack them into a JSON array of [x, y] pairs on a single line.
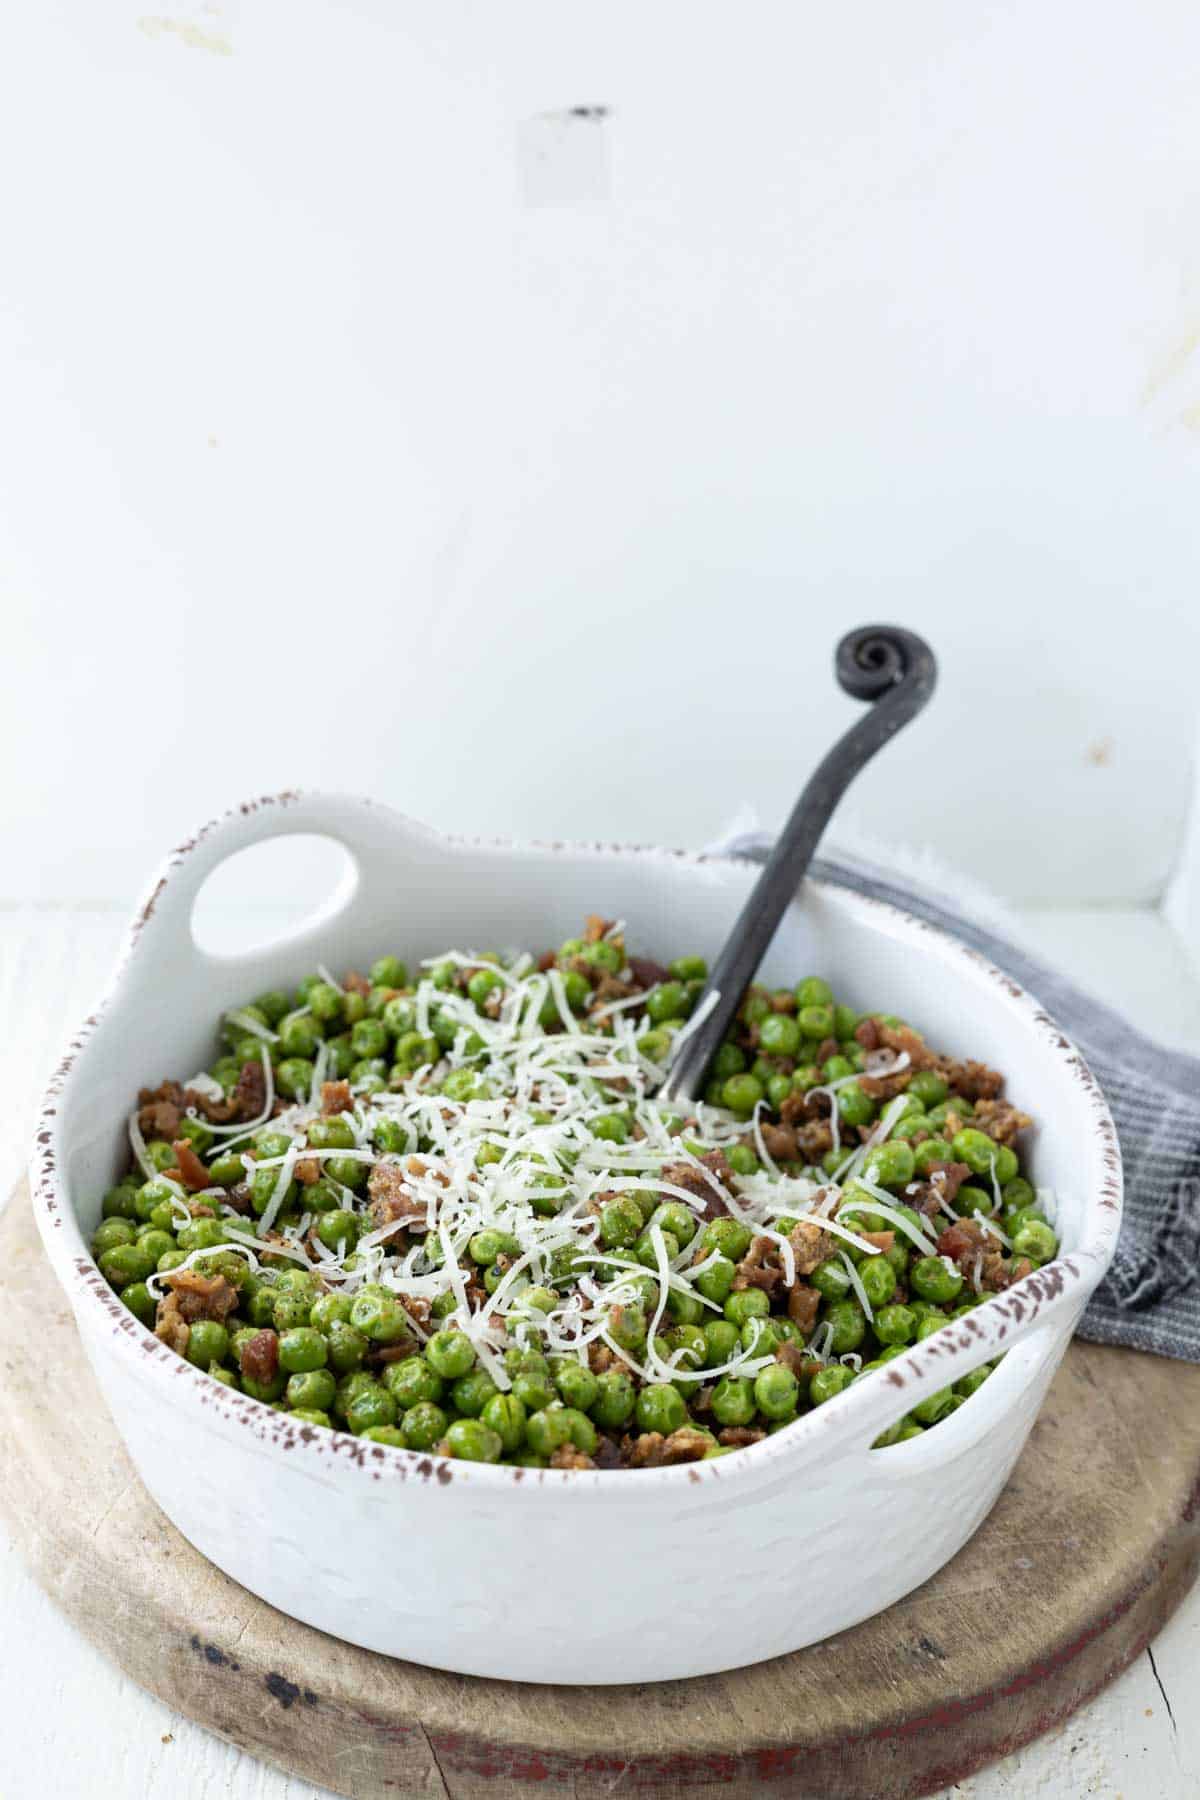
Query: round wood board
[[1089, 1549]]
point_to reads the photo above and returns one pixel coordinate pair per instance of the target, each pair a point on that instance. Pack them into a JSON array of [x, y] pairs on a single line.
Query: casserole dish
[[547, 1575]]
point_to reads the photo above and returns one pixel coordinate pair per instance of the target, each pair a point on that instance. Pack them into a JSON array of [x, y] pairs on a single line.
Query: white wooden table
[[71, 1725]]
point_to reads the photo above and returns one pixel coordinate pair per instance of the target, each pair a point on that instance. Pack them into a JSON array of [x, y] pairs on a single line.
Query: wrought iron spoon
[[896, 671]]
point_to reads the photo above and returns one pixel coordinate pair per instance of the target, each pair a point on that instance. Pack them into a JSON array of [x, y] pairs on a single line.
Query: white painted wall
[[362, 426]]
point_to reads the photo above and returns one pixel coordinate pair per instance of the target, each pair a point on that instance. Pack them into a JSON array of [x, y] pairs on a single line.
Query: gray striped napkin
[[1150, 1298]]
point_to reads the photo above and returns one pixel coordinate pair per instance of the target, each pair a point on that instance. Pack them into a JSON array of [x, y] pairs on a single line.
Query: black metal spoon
[[895, 670]]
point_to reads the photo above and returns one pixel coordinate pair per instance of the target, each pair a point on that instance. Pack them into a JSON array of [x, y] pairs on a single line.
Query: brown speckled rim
[[849, 1422]]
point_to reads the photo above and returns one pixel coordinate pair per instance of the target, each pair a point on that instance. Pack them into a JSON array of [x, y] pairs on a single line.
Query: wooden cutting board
[[1091, 1546]]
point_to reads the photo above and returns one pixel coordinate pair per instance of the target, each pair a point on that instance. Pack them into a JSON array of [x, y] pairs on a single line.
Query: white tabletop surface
[[91, 1734]]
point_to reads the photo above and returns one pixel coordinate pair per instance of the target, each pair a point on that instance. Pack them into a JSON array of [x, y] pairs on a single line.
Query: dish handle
[[1041, 1302], [371, 836]]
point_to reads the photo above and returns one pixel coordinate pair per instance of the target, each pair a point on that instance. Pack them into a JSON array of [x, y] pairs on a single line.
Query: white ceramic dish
[[555, 1576]]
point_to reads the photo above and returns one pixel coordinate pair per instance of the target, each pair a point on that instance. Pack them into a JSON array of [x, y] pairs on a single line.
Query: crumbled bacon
[[804, 1303], [260, 1356], [335, 1098], [192, 1171], [171, 1326], [202, 1296], [160, 1110], [568, 1457], [999, 1120], [811, 1245], [687, 1176], [737, 1437]]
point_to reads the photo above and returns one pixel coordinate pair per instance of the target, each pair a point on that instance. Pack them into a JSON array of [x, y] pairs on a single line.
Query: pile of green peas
[[326, 1366]]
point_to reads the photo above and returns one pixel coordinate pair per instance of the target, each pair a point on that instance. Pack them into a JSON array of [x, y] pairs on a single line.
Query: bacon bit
[[947, 1177], [972, 1079], [546, 962], [202, 1296], [688, 1177], [648, 973], [260, 1356], [810, 1245], [907, 1042], [803, 1305], [737, 1437], [251, 1091], [826, 1048], [171, 1326], [866, 1033], [758, 1268], [568, 1457], [595, 928], [796, 1358], [783, 1002], [354, 983], [999, 1120], [160, 1110], [335, 1098], [882, 1240], [192, 1171], [781, 1142], [307, 1170]]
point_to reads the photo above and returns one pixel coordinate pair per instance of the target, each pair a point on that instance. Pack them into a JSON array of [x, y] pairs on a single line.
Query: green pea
[[126, 1263], [227, 1170], [728, 1060], [666, 1001], [678, 1219], [937, 1407], [608, 957], [380, 1317], [928, 1087], [833, 1379], [612, 1128], [548, 1430], [325, 1002], [830, 1279], [970, 1384], [878, 1279], [779, 1035], [311, 1390], [140, 1301], [727, 1235], [328, 1307], [742, 1093], [450, 1354], [207, 1341], [896, 1324], [299, 1037], [889, 1165], [776, 1392], [848, 1325], [120, 1202], [388, 971], [577, 1386], [721, 1339], [836, 1068], [620, 1222], [347, 1348], [934, 1278], [759, 1337], [815, 1021], [716, 1282], [301, 1349], [733, 1401], [854, 1107], [1036, 1240], [627, 1326], [1018, 1193], [338, 1227], [748, 1303], [933, 1150], [370, 1405], [614, 1399], [412, 1381], [111, 1232], [505, 1415], [425, 1426], [975, 1149]]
